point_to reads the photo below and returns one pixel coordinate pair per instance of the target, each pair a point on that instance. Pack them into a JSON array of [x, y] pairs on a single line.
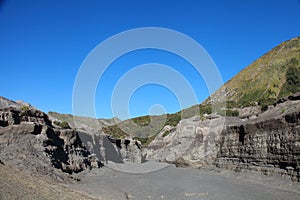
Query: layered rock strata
[[268, 142]]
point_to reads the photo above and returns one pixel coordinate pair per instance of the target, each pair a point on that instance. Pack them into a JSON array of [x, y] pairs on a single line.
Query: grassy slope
[[264, 79], [145, 128]]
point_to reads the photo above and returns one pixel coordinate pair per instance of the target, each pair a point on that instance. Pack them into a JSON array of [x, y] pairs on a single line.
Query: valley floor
[[168, 182], [185, 184]]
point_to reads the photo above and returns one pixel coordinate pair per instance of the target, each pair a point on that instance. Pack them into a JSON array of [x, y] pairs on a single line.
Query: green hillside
[[272, 76], [145, 128]]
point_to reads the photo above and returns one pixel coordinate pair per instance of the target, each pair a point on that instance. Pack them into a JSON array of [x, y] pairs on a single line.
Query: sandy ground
[[165, 182], [15, 184], [184, 184]]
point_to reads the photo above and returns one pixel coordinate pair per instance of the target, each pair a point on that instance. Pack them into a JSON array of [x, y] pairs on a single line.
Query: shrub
[[232, 104], [173, 119], [233, 113], [114, 131], [202, 118], [293, 79], [205, 109], [250, 99], [166, 133], [145, 140], [142, 121], [63, 124], [292, 84], [24, 110]]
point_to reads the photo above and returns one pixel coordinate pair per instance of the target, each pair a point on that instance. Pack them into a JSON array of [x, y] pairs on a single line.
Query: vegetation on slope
[[63, 124], [292, 84], [274, 75], [145, 128]]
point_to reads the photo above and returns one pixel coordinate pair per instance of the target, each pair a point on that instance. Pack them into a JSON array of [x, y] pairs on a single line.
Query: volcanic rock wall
[[29, 142], [270, 146], [268, 142]]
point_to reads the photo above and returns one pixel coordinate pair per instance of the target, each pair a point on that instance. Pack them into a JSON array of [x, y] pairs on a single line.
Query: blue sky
[[43, 44]]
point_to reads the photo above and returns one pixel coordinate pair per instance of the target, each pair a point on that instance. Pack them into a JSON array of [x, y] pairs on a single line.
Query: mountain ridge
[[88, 123], [261, 84]]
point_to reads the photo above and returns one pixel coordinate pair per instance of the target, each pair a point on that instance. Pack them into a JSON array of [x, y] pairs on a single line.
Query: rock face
[[83, 123], [107, 148], [268, 143], [191, 143], [4, 103], [129, 149], [104, 147], [29, 142]]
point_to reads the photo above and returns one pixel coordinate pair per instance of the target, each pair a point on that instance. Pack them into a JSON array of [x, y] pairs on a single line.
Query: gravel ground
[[184, 184]]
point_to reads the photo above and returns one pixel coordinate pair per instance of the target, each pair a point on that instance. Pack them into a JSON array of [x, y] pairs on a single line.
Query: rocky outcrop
[[5, 103], [191, 143], [130, 150], [107, 148], [268, 143], [269, 146], [87, 124], [29, 142]]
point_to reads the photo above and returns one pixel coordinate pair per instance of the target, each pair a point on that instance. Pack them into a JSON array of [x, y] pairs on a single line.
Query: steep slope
[[272, 76], [4, 103]]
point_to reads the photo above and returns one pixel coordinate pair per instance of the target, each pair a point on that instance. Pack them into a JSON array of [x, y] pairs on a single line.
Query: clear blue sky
[[43, 43]]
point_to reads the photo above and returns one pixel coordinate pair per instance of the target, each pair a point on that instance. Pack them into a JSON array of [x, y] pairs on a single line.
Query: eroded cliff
[[268, 142]]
